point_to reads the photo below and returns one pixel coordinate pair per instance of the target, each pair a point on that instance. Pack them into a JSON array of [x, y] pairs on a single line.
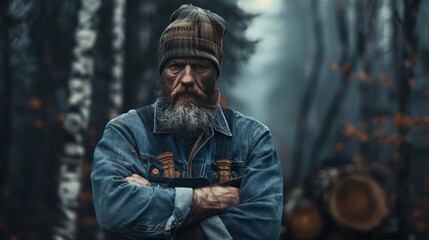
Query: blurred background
[[342, 84]]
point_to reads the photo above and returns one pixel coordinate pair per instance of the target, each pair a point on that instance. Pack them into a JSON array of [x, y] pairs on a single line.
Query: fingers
[[138, 180], [234, 190], [234, 196]]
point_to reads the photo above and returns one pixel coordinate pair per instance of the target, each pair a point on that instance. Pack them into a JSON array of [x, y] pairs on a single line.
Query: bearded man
[[183, 167]]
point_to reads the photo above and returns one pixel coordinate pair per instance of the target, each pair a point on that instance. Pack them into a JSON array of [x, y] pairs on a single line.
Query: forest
[[343, 86]]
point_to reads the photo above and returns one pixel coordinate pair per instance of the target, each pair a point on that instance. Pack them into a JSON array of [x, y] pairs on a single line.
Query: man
[[184, 167]]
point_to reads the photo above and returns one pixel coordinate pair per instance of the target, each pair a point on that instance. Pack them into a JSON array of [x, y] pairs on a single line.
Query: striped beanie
[[192, 32]]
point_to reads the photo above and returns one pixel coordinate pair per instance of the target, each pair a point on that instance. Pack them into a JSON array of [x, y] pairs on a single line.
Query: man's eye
[[201, 67], [175, 67]]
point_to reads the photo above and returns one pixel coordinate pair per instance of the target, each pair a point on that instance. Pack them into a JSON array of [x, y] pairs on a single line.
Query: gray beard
[[187, 120]]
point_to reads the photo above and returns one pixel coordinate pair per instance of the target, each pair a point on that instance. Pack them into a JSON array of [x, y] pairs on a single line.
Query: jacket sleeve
[[129, 210], [259, 214]]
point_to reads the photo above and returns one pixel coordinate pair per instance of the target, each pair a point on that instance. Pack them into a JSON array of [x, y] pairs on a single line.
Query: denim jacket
[[140, 212]]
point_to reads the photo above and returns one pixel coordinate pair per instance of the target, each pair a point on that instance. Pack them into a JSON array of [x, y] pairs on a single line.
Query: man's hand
[[208, 201], [138, 180]]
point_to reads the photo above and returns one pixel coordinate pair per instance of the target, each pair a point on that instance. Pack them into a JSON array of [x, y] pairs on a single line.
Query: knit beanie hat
[[192, 32]]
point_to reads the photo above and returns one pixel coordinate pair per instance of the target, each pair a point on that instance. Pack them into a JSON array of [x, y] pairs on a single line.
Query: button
[[177, 174], [155, 171]]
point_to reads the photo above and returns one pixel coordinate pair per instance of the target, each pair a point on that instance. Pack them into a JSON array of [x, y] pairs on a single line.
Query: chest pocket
[[237, 169], [225, 167], [155, 171], [213, 172]]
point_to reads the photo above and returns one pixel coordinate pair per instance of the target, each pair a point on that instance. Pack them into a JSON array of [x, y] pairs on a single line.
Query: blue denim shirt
[[139, 212]]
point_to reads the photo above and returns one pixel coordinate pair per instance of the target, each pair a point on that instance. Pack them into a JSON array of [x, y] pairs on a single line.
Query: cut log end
[[357, 201]]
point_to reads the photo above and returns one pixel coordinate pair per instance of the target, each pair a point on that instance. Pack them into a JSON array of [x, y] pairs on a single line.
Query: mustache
[[188, 91], [190, 95], [186, 95]]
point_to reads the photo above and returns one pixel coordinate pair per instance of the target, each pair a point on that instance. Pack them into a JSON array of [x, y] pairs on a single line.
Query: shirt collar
[[221, 125]]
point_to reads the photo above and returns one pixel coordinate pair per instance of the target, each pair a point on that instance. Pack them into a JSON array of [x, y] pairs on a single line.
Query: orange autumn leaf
[[334, 66], [362, 75], [384, 79], [412, 62], [395, 140], [421, 226], [345, 68], [39, 124], [379, 133], [357, 160], [379, 121], [349, 130], [35, 103], [339, 146], [60, 117], [408, 121], [417, 213], [351, 77], [86, 168], [379, 167], [88, 221], [362, 136], [424, 120], [402, 119]]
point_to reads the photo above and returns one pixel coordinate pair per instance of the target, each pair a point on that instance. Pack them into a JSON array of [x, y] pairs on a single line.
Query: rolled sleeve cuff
[[214, 228], [182, 206]]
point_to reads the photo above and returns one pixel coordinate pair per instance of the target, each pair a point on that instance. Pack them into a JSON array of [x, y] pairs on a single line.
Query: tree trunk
[[6, 97], [307, 97], [118, 36], [76, 121], [346, 66], [405, 54], [20, 70], [366, 92]]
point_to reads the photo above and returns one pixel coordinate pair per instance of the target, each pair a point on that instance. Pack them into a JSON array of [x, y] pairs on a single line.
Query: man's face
[[189, 80], [188, 97]]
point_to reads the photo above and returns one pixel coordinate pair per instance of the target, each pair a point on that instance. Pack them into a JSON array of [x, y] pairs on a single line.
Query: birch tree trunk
[[76, 121], [115, 94]]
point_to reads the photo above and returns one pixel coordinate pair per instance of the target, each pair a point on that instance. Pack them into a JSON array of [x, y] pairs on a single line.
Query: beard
[[187, 111]]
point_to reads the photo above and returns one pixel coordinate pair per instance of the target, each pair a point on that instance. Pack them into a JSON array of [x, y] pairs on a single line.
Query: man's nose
[[188, 76]]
